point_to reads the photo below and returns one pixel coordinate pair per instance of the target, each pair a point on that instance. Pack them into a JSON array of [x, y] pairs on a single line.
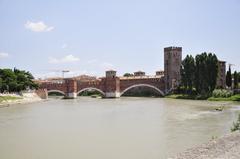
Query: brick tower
[[112, 84], [172, 65]]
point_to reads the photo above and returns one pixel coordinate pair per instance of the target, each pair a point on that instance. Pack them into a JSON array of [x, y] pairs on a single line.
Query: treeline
[[235, 76], [128, 75], [199, 74], [16, 80]]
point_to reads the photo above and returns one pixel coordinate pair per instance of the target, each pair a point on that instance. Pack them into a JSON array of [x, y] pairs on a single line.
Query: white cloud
[[3, 55], [38, 26], [66, 59]]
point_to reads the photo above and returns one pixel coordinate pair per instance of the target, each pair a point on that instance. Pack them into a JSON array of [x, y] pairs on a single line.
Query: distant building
[[84, 78], [221, 80], [172, 65], [57, 80], [139, 73], [159, 73]]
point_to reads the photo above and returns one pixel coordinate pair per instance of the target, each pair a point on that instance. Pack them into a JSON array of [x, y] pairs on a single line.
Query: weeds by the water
[[236, 125], [7, 98], [199, 97], [231, 98]]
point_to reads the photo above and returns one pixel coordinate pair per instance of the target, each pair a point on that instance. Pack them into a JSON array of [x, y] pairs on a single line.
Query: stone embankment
[[28, 97], [226, 147]]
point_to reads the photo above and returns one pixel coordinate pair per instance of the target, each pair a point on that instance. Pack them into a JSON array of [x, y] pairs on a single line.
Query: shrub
[[236, 126], [222, 93]]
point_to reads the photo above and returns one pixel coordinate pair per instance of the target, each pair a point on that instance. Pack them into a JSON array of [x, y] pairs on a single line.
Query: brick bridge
[[110, 86]]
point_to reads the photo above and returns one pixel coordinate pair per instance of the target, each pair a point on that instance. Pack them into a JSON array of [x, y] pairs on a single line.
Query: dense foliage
[[199, 73], [16, 80], [229, 77], [127, 75], [236, 125], [222, 93], [187, 73], [236, 79]]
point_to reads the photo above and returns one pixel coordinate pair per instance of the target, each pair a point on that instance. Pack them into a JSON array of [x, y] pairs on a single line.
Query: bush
[[222, 93], [236, 126]]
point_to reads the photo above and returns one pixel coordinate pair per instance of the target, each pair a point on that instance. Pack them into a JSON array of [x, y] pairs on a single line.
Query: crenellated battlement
[[172, 48]]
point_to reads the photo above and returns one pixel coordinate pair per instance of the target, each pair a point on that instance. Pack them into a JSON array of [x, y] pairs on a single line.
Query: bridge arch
[[91, 88], [142, 85], [55, 91]]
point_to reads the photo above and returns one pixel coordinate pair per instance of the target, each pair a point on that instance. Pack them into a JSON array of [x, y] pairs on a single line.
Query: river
[[124, 128]]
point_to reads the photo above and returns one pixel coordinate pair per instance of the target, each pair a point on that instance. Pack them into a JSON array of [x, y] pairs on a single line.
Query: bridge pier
[[112, 85], [112, 94], [71, 89], [71, 95]]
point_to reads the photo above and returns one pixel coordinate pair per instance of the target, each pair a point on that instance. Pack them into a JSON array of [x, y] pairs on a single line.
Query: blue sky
[[89, 37]]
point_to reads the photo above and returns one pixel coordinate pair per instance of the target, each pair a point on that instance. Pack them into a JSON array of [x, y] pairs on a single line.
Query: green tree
[[127, 75], [188, 73], [24, 80], [206, 73], [229, 77], [9, 80], [1, 84], [212, 70], [236, 125], [200, 79], [236, 80], [16, 80]]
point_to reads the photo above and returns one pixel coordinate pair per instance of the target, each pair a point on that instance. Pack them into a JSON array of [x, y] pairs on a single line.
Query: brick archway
[[142, 85], [56, 91], [91, 88], [109, 87]]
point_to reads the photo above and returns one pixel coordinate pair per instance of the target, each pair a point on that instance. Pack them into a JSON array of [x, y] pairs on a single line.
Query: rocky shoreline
[[23, 99], [226, 147]]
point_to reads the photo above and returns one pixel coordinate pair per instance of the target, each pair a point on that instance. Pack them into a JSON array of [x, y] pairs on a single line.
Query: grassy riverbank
[[8, 98], [186, 96], [195, 97], [232, 98]]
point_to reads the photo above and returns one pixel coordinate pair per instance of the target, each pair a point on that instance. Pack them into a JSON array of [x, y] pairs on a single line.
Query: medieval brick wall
[[54, 86], [172, 65], [156, 82]]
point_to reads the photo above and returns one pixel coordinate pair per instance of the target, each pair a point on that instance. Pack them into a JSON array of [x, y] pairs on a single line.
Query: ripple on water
[[197, 115]]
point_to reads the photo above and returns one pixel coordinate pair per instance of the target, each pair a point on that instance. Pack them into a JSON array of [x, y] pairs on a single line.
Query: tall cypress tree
[[188, 73], [212, 68], [206, 73], [229, 77], [236, 80]]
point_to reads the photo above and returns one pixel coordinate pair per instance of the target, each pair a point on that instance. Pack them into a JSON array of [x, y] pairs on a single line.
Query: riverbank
[[194, 97], [227, 146], [232, 98], [10, 99]]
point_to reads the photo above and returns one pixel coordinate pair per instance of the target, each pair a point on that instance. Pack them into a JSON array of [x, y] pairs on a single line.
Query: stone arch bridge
[[109, 86]]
